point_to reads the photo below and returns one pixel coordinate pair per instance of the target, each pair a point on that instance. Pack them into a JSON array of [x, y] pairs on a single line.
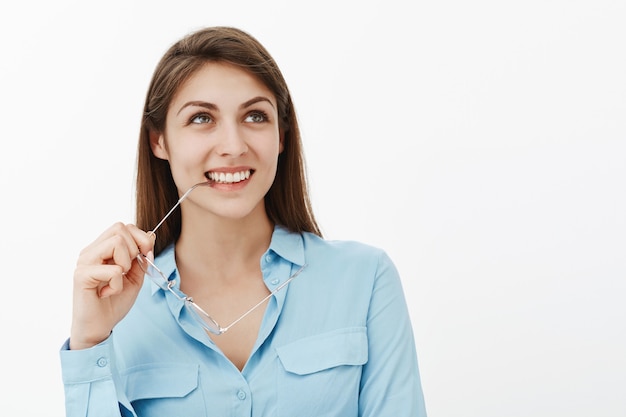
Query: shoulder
[[346, 250], [306, 247], [347, 260], [336, 290]]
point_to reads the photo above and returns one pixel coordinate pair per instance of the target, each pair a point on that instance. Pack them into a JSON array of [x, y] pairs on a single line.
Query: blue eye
[[256, 117], [201, 118]]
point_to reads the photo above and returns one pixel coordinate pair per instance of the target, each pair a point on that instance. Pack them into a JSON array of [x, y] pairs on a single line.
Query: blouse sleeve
[[89, 382], [390, 383]]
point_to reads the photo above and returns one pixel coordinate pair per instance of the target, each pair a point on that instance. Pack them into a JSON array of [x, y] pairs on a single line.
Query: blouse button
[[241, 395], [102, 362], [275, 281]]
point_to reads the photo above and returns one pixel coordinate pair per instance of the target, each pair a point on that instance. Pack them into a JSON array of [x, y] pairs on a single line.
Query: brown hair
[[287, 201]]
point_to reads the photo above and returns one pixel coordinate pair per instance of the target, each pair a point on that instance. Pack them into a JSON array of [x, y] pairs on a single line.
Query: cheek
[[273, 152], [185, 161], [184, 147]]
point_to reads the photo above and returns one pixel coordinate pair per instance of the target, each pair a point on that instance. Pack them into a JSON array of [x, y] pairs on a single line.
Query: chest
[[317, 375], [238, 341], [240, 312]]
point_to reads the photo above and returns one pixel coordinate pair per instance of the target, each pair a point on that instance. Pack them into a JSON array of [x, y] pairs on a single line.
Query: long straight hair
[[287, 202]]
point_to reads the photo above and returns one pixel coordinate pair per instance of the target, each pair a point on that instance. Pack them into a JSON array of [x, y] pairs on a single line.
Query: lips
[[228, 177]]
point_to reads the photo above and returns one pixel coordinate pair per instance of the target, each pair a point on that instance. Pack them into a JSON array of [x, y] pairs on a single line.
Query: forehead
[[221, 81]]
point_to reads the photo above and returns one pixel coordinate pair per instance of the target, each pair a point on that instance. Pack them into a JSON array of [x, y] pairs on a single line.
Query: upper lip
[[232, 170]]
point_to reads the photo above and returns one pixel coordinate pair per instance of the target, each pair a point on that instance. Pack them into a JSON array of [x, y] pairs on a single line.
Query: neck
[[225, 247]]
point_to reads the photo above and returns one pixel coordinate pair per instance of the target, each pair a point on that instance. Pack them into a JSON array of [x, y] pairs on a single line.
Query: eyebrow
[[212, 106]]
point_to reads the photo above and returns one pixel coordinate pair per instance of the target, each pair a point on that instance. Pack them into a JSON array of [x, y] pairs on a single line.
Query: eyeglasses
[[201, 316]]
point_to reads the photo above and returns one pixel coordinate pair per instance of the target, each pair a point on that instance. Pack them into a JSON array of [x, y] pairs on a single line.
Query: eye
[[256, 116], [200, 119]]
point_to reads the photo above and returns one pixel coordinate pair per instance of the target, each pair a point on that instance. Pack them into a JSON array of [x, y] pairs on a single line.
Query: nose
[[230, 141]]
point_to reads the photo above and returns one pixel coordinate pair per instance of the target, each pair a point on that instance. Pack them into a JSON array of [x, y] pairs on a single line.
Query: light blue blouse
[[336, 341]]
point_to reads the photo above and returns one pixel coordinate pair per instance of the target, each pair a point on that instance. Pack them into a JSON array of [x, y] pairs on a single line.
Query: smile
[[228, 177]]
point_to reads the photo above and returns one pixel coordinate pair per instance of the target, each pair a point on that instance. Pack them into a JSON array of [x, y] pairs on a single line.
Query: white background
[[482, 144]]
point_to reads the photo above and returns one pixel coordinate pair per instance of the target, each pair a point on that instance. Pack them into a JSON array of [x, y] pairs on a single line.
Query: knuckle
[[117, 270], [118, 226], [79, 273], [117, 239]]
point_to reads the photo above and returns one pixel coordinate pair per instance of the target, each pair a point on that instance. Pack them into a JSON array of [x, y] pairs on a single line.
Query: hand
[[107, 279]]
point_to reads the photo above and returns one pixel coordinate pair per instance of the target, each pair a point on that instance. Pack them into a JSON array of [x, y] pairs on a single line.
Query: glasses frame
[[201, 316]]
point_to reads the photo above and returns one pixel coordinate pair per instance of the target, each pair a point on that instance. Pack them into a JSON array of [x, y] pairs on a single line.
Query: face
[[222, 125]]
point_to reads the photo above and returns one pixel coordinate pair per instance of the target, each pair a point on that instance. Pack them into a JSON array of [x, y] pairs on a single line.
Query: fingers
[[119, 245], [107, 262], [106, 280], [144, 240], [115, 229]]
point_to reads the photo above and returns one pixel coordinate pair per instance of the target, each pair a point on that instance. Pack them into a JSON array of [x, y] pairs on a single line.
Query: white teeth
[[229, 177]]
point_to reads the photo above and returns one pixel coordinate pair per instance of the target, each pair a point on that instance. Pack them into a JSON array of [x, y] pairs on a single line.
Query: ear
[[157, 144], [281, 144]]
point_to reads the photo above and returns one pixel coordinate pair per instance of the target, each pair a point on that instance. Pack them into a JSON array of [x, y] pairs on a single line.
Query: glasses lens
[[143, 263], [152, 271], [155, 274], [203, 318]]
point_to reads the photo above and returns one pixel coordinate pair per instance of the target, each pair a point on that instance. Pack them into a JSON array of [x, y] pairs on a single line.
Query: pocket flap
[[161, 380], [311, 354]]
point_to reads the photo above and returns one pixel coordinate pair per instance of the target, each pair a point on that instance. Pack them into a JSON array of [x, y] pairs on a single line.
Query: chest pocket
[[321, 374], [165, 389]]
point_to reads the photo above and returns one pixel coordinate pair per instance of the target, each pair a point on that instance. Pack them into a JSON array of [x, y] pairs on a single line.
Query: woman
[[282, 322]]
